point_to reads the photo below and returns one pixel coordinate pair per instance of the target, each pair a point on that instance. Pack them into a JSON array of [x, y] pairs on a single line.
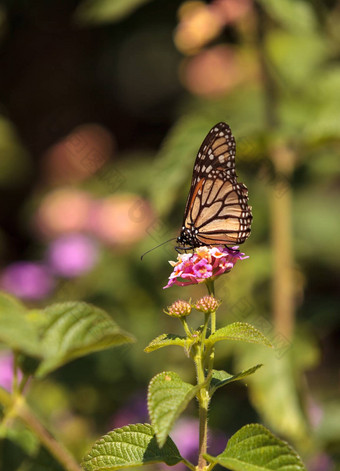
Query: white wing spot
[[221, 158]]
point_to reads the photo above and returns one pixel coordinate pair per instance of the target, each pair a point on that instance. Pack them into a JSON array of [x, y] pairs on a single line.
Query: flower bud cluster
[[179, 308], [207, 304]]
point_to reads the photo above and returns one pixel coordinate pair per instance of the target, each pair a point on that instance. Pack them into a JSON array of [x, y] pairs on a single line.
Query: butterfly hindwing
[[217, 211]]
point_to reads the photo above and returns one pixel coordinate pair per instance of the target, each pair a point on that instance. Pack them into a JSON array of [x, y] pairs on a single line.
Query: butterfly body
[[217, 211]]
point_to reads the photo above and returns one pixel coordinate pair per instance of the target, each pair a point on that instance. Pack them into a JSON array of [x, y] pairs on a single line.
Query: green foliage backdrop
[[107, 102]]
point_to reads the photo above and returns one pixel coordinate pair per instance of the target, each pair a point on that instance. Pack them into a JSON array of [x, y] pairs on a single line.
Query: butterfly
[[217, 211]]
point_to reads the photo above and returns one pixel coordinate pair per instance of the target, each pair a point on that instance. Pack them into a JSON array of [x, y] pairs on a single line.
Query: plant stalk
[[19, 408], [203, 395], [281, 201]]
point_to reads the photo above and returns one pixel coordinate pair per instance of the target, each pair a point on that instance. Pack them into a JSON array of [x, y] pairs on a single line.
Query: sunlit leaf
[[295, 58], [74, 329], [133, 445], [165, 340], [254, 448], [168, 396], [15, 330], [221, 378], [239, 331]]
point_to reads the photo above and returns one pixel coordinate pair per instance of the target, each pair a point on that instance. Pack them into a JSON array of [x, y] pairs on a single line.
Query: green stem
[[186, 327], [203, 403], [54, 447], [211, 353], [283, 158], [210, 287], [203, 337], [15, 373], [203, 435], [203, 395], [188, 464], [16, 407], [23, 383]]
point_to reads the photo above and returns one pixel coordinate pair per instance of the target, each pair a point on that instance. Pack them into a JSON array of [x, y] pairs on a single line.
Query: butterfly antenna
[[148, 251]]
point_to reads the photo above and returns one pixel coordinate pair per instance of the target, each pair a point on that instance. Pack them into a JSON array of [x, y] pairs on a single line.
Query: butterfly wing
[[217, 211]]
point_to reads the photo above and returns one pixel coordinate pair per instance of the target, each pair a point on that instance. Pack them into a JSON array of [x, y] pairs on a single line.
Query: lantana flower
[[203, 264], [179, 308]]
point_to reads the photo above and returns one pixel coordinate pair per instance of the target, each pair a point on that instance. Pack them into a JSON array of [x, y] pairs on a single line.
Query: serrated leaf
[[15, 330], [91, 12], [165, 340], [239, 331], [221, 378], [168, 396], [74, 329], [133, 445], [254, 448]]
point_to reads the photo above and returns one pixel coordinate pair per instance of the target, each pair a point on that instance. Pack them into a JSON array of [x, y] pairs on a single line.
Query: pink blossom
[[6, 371], [205, 263], [72, 255], [27, 280]]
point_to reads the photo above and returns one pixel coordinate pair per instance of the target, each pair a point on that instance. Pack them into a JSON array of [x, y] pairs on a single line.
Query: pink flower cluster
[[204, 263]]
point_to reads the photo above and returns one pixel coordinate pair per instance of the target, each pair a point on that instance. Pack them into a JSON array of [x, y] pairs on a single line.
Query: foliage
[[98, 81]]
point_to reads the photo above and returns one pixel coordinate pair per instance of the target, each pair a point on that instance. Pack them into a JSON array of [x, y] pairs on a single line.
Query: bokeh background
[[103, 106]]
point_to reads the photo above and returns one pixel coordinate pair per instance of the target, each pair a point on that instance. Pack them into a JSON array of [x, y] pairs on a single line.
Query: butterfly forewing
[[217, 211]]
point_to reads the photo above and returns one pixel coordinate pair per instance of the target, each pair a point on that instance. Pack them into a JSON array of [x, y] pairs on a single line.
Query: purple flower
[[72, 255], [204, 263], [134, 410], [185, 434], [6, 371], [27, 280], [321, 462]]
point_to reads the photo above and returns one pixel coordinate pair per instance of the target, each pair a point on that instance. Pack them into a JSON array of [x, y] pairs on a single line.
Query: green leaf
[[74, 329], [168, 396], [91, 12], [182, 139], [15, 330], [239, 331], [295, 15], [167, 339], [254, 448], [133, 445], [221, 378], [286, 50], [275, 390]]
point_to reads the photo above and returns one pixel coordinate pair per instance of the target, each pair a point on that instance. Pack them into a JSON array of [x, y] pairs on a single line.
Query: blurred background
[[103, 106]]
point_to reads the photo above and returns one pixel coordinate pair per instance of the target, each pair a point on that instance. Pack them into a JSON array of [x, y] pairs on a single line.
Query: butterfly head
[[188, 237]]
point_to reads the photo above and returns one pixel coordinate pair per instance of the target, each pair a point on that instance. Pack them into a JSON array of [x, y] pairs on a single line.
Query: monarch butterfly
[[217, 211]]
